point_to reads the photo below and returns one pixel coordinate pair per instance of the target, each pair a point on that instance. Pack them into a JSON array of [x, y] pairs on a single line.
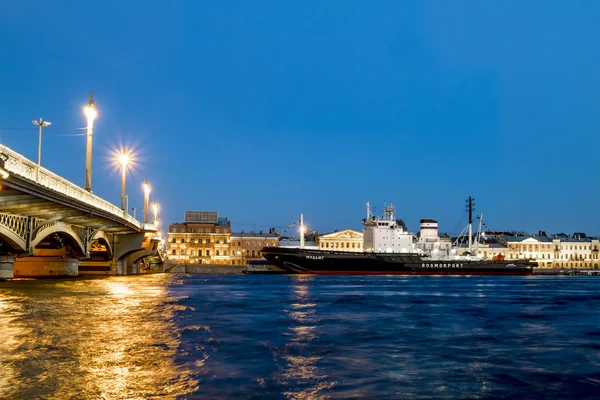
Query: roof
[[254, 234], [543, 239], [287, 242]]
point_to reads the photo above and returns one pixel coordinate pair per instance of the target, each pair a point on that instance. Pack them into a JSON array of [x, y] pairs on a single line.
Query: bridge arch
[[75, 238], [103, 238], [17, 243]]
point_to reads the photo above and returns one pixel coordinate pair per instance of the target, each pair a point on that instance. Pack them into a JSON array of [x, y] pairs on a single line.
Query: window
[[253, 254], [191, 240], [207, 241], [217, 252], [192, 253], [174, 252], [182, 230], [224, 252], [218, 241], [240, 244], [208, 252], [174, 240], [182, 240], [217, 230], [182, 252]]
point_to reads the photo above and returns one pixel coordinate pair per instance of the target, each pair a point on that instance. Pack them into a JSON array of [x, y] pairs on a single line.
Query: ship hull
[[322, 262]]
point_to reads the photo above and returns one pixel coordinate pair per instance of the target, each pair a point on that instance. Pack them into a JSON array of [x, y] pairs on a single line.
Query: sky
[[262, 110]]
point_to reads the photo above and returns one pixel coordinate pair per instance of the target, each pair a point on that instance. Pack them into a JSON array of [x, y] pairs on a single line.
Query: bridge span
[[52, 227]]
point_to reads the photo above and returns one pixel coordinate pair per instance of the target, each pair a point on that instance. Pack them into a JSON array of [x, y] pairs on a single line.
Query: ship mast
[[470, 208], [368, 211]]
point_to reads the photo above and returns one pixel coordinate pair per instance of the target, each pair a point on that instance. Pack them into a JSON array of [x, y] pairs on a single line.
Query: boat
[[390, 249]]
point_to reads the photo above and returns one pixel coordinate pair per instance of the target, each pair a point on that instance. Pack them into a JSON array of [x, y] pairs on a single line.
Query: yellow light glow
[[4, 173], [123, 156], [124, 159], [90, 112], [146, 188]]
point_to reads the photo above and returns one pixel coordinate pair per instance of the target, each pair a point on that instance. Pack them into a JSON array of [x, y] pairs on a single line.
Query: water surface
[[300, 337]]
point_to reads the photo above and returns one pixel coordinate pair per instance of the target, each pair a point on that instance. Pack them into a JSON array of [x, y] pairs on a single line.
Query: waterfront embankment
[[203, 268]]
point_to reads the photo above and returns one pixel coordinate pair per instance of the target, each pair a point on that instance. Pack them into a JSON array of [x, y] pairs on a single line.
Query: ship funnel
[[429, 229]]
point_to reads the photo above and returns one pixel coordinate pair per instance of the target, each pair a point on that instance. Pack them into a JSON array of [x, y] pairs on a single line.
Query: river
[[178, 336]]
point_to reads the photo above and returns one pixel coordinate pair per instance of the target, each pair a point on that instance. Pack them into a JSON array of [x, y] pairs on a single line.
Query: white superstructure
[[388, 235], [385, 234]]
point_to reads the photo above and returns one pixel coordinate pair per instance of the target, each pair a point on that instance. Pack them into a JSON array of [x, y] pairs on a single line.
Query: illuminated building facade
[[248, 246], [203, 238], [346, 240], [557, 251]]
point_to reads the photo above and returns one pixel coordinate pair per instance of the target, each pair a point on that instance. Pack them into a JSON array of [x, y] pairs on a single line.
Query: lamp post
[[146, 196], [155, 212], [124, 160], [41, 124], [91, 114]]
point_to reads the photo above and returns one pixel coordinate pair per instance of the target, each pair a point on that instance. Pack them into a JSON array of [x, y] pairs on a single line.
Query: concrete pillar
[[46, 266], [133, 268], [6, 267], [121, 267]]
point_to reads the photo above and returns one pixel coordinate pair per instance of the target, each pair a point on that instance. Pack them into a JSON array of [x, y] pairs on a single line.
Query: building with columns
[[346, 240], [557, 251], [203, 238]]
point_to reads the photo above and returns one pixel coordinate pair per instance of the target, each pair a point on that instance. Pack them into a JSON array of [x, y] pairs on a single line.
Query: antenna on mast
[[470, 208]]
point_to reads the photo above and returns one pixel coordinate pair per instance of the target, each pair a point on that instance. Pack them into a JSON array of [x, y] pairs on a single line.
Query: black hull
[[320, 262]]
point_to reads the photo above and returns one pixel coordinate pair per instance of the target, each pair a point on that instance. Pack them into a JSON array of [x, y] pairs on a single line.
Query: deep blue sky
[[262, 110]]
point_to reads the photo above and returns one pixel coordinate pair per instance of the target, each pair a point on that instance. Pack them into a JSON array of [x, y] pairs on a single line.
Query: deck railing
[[16, 164]]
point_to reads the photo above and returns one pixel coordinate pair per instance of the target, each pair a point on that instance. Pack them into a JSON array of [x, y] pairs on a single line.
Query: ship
[[390, 249]]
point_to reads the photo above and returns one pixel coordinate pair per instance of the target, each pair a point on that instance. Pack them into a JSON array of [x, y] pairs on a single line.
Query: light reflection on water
[[89, 338], [301, 375]]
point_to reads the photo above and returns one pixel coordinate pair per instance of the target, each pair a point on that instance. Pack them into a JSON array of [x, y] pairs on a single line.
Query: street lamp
[[146, 196], [124, 160], [155, 211], [91, 113], [41, 124]]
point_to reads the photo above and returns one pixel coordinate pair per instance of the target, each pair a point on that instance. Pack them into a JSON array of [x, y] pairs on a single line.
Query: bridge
[[52, 227]]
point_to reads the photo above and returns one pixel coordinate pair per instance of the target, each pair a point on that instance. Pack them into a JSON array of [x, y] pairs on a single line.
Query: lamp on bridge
[[41, 124], [124, 160], [91, 113], [155, 211], [146, 197]]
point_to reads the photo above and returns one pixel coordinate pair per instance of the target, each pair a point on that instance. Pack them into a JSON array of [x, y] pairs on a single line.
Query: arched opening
[[100, 250], [58, 244]]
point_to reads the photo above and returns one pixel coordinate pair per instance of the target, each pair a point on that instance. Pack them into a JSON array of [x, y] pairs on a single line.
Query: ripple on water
[[178, 336]]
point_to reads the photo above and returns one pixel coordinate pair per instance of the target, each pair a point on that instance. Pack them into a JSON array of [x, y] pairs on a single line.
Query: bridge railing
[[18, 165]]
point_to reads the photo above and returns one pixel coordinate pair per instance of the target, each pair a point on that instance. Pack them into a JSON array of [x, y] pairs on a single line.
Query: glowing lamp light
[[90, 112], [124, 159], [146, 188]]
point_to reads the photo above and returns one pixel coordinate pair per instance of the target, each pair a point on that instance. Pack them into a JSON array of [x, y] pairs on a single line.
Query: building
[[346, 240], [557, 251], [203, 238], [248, 246]]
